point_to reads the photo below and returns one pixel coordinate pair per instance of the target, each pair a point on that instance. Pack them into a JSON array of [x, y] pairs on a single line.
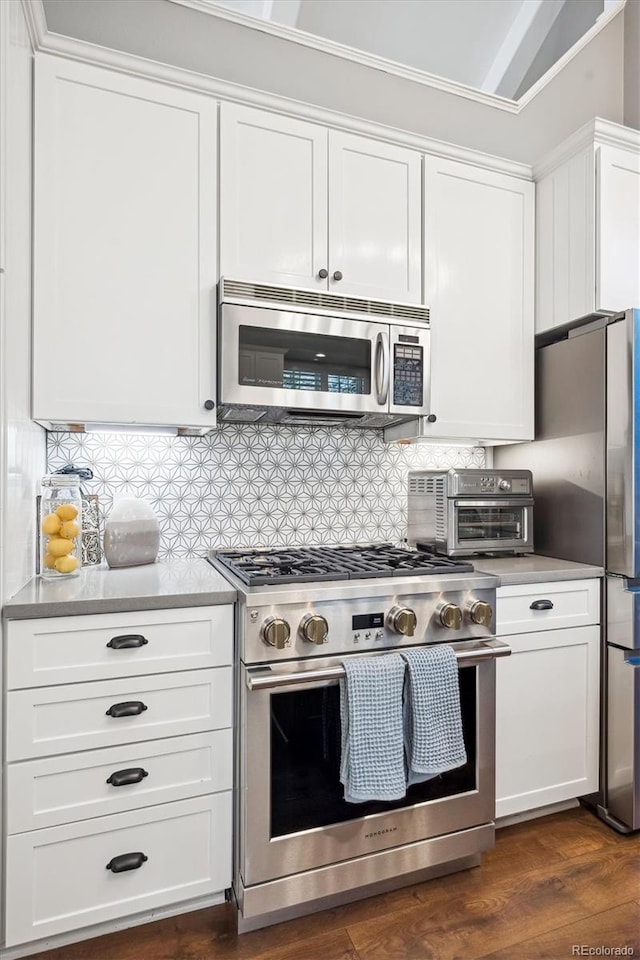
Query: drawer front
[[57, 879], [104, 646], [45, 793], [49, 720], [547, 606]]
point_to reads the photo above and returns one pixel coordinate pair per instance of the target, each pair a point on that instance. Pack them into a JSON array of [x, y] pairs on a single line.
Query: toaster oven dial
[[314, 628], [403, 620], [481, 613], [275, 632], [450, 616]]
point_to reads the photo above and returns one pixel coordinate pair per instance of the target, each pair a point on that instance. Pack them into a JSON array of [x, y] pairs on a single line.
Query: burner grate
[[318, 564]]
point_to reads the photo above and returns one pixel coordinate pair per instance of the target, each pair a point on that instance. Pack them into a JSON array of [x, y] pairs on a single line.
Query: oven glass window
[[490, 523], [305, 761], [291, 360]]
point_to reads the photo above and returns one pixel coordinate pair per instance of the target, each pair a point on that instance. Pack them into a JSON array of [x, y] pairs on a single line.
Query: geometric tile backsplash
[[249, 486]]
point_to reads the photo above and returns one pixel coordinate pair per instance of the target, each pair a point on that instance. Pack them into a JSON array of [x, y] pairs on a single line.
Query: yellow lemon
[[70, 529], [66, 564], [51, 524], [49, 561], [67, 511], [58, 547]]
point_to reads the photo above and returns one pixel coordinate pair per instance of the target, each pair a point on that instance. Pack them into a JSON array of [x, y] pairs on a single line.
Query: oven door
[[277, 358], [293, 816], [482, 526]]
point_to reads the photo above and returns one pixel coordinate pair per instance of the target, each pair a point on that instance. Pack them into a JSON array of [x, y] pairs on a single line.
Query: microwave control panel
[[408, 368]]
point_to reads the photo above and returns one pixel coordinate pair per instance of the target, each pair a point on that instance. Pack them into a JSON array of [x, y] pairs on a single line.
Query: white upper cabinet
[[273, 198], [588, 232], [304, 206], [374, 219], [125, 249], [479, 239], [618, 234]]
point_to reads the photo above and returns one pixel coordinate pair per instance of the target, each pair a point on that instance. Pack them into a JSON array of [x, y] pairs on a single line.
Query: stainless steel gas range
[[300, 846]]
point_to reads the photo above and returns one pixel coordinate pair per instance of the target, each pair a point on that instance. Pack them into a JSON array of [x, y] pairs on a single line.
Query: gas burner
[[320, 564]]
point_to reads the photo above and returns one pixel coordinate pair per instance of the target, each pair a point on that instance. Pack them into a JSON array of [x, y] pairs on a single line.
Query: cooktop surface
[[314, 564]]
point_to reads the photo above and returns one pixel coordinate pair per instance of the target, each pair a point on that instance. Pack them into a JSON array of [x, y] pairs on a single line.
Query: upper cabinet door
[[479, 235], [273, 198], [374, 219], [125, 249], [618, 233]]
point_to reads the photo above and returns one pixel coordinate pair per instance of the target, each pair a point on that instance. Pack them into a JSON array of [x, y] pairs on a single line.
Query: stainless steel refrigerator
[[586, 476]]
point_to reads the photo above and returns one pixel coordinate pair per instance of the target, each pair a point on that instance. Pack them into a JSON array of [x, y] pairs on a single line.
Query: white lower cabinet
[[80, 874], [547, 700], [118, 793]]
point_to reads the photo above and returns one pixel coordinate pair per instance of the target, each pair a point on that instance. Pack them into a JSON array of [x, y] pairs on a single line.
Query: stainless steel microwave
[[297, 356], [460, 513]]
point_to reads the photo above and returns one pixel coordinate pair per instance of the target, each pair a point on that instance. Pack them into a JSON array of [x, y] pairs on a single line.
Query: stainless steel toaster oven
[[460, 513]]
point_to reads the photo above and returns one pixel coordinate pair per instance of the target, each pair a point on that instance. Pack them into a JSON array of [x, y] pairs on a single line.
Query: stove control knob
[[450, 616], [314, 628], [481, 613], [275, 632], [403, 620]]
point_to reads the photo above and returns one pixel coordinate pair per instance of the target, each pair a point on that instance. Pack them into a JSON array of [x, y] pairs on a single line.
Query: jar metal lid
[[60, 481]]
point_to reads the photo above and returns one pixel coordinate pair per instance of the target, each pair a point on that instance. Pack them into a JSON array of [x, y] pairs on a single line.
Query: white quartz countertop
[[535, 569], [154, 586]]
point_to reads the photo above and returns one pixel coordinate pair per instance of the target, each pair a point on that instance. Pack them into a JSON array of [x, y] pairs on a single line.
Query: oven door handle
[[264, 678]]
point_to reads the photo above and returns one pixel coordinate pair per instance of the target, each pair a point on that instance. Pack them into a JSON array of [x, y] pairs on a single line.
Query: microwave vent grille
[[310, 299]]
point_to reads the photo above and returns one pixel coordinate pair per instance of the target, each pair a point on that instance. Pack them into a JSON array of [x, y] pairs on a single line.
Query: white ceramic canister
[[131, 534]]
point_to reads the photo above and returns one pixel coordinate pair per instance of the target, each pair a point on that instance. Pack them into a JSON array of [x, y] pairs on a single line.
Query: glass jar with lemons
[[60, 526]]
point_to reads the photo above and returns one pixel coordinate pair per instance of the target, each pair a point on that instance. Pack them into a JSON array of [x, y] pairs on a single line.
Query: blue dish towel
[[432, 719], [372, 760]]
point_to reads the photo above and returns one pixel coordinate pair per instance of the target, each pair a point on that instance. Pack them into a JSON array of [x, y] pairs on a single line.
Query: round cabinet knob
[[209, 405], [481, 613], [314, 628], [337, 275], [323, 274], [432, 418], [403, 620], [450, 616], [275, 632]]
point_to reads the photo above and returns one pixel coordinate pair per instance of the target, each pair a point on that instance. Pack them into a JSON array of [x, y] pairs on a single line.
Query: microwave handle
[[381, 367]]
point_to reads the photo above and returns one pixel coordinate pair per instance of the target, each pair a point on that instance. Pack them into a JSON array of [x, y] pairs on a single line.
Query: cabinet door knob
[[323, 274], [126, 861], [432, 418], [129, 708], [128, 641], [541, 605], [337, 275], [122, 778], [209, 405]]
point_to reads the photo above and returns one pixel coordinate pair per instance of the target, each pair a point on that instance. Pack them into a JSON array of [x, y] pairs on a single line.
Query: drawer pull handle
[[541, 605], [122, 778], [126, 861], [130, 708], [127, 641]]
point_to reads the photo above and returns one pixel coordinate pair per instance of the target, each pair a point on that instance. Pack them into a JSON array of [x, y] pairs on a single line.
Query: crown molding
[[596, 132], [83, 51], [35, 19], [345, 52]]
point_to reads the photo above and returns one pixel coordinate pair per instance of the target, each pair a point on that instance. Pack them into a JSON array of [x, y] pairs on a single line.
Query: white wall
[[22, 443], [591, 85], [632, 64]]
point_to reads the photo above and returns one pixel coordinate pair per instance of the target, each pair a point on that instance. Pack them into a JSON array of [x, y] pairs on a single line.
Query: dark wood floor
[[550, 886]]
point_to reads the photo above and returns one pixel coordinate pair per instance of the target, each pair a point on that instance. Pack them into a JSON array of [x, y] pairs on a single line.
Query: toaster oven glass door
[[492, 524]]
